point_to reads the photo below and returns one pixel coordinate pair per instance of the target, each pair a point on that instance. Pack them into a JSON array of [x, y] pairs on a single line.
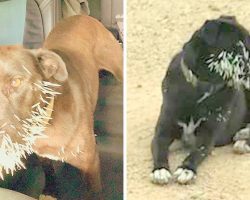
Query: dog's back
[[85, 46], [90, 47], [87, 36]]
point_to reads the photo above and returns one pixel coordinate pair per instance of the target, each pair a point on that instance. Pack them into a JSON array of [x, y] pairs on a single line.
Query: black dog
[[204, 101]]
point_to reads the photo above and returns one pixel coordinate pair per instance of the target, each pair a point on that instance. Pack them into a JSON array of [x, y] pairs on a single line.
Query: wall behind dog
[[12, 18]]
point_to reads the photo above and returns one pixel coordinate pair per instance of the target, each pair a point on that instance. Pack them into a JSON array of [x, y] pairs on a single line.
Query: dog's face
[[28, 83], [209, 44]]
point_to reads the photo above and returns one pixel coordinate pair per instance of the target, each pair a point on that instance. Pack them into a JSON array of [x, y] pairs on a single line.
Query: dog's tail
[[108, 53]]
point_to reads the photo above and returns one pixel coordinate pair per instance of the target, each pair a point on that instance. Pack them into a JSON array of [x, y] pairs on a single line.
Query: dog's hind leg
[[165, 133], [242, 137], [242, 140]]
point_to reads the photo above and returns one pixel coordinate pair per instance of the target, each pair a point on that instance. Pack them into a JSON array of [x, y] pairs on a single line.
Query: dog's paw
[[160, 176], [241, 147], [184, 176], [242, 134]]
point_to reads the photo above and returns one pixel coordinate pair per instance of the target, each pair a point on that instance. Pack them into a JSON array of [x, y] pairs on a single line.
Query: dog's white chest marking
[[191, 126], [188, 136]]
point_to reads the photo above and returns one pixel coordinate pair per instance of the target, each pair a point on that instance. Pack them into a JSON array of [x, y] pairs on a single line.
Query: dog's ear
[[247, 42], [209, 31], [221, 33], [192, 50], [51, 64]]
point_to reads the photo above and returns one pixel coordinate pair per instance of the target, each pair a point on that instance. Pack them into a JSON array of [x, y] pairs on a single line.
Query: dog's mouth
[[232, 66], [28, 130]]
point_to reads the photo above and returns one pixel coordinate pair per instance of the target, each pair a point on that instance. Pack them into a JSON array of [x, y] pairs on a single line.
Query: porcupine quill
[[232, 67], [11, 153]]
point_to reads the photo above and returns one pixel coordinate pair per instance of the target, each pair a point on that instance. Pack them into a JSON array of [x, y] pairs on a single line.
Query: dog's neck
[[193, 80]]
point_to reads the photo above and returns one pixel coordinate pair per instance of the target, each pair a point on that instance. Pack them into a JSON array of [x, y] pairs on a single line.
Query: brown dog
[[48, 96]]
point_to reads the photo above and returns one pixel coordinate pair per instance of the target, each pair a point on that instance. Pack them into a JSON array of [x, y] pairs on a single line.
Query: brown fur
[[85, 47], [89, 47]]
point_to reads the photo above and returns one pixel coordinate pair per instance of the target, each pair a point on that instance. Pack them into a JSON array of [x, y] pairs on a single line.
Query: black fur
[[225, 109]]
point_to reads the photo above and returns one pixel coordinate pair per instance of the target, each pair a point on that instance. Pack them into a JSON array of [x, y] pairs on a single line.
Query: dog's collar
[[188, 74]]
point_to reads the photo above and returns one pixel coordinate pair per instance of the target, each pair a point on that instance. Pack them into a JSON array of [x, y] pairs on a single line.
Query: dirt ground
[[156, 32]]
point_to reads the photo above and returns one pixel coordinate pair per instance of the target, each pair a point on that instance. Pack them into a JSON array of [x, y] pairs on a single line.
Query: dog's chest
[[203, 103], [200, 102], [193, 121], [194, 105]]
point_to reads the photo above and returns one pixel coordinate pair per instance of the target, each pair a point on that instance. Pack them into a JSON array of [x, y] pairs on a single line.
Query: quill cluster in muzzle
[[234, 67], [33, 127]]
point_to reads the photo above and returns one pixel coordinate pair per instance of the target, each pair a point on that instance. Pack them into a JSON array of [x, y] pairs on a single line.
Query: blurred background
[[28, 22]]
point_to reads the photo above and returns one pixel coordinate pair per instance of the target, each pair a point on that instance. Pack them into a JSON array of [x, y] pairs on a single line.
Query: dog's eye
[[16, 82]]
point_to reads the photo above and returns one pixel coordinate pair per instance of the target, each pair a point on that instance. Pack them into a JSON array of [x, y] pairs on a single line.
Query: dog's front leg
[[86, 158], [164, 135], [186, 173], [94, 178]]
